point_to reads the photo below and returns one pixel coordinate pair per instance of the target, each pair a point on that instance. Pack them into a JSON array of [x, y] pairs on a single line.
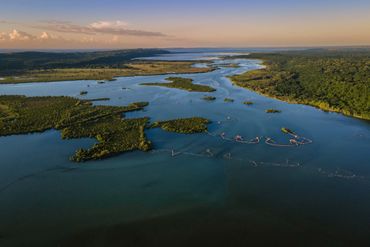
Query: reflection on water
[[191, 190]]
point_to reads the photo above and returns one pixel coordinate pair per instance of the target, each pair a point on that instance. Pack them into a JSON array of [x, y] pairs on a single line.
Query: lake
[[212, 192]]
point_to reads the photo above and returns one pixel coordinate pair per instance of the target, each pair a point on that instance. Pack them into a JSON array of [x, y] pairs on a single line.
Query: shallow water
[[214, 192]]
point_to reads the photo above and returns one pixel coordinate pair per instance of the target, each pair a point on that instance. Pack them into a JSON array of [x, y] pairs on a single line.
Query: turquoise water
[[312, 195]]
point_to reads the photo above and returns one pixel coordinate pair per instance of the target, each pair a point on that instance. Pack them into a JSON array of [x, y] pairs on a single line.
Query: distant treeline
[[19, 62], [335, 80]]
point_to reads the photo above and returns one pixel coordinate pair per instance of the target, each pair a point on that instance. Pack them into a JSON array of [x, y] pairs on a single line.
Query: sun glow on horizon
[[73, 24]]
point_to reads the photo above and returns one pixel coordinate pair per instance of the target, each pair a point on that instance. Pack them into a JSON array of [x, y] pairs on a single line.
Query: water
[[239, 195]]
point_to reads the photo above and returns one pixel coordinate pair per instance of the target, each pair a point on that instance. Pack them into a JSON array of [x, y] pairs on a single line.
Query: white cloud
[[45, 36], [16, 35], [108, 24], [99, 27], [3, 36]]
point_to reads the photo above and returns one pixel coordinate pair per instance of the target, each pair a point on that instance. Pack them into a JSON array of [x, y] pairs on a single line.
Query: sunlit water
[[213, 192]]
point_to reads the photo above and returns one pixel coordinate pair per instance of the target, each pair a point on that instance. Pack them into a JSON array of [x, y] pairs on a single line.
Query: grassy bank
[[139, 68]]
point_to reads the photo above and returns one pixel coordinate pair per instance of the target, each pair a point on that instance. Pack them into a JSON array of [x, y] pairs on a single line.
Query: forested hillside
[[335, 80], [20, 62]]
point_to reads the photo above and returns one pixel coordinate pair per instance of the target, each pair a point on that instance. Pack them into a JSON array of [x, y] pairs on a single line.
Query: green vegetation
[[79, 118], [230, 65], [76, 119], [184, 125], [248, 103], [229, 100], [105, 73], [287, 131], [272, 111], [83, 92], [20, 62], [114, 136], [209, 98], [333, 80], [182, 83]]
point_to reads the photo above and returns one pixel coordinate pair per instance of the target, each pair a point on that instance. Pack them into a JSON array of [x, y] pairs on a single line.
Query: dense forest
[[334, 80], [18, 62]]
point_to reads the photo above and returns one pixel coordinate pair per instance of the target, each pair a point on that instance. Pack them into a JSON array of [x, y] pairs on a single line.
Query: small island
[[229, 65], [183, 125], [209, 98], [287, 131], [272, 111], [183, 84], [228, 100], [248, 103]]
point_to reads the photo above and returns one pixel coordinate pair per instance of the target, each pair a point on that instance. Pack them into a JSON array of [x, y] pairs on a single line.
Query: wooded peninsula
[[332, 80]]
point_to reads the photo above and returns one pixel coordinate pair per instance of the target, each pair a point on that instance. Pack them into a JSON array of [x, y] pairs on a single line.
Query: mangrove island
[[183, 84]]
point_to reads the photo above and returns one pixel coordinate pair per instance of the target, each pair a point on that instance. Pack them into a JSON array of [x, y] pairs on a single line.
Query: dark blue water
[[214, 192]]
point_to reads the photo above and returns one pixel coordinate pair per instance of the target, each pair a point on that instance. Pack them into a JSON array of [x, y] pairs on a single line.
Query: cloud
[[16, 35], [64, 27], [99, 27], [3, 36], [48, 36], [115, 39], [108, 24], [45, 36]]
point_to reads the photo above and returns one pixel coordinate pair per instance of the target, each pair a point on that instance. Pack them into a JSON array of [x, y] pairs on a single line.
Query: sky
[[108, 24]]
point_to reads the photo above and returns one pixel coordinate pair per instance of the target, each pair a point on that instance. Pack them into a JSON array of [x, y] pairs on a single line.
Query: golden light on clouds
[[281, 31]]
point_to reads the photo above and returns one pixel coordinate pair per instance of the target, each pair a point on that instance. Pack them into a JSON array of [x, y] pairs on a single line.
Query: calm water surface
[[312, 195]]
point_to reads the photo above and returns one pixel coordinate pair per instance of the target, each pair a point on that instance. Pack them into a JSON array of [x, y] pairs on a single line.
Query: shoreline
[[318, 104], [112, 79]]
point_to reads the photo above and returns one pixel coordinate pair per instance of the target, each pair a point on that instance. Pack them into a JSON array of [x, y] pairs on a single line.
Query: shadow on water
[[215, 227]]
